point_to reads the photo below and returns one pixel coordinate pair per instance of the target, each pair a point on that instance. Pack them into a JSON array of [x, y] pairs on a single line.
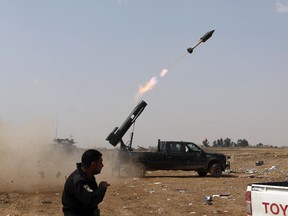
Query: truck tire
[[202, 173], [138, 170], [216, 170]]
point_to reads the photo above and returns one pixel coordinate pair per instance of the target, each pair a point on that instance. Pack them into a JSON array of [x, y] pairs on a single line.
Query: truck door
[[195, 156], [176, 158]]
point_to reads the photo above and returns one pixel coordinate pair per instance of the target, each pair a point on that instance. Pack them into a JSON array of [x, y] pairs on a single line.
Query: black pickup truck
[[171, 155]]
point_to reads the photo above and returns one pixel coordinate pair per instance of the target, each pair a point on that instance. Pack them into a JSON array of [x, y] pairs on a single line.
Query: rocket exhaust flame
[[150, 84], [163, 72], [153, 81]]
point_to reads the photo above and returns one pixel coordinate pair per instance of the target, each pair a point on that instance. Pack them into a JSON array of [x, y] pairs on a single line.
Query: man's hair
[[89, 156]]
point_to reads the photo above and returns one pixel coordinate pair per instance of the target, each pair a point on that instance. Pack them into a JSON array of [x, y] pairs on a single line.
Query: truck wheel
[[138, 170], [216, 170], [202, 173]]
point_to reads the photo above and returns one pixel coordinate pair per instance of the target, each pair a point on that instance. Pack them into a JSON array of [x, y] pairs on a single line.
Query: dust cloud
[[30, 161]]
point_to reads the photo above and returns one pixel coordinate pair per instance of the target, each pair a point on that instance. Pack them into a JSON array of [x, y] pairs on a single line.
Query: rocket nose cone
[[207, 36]]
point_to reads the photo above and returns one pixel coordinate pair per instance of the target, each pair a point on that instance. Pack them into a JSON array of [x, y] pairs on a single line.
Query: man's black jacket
[[81, 195]]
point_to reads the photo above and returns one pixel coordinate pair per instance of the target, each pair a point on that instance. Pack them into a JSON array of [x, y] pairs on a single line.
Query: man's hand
[[104, 184]]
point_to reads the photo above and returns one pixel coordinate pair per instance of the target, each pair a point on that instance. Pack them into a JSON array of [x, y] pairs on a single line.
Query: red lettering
[[274, 211], [275, 208], [265, 204], [284, 209]]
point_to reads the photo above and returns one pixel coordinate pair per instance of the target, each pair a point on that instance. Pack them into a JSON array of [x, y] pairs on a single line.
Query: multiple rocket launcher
[[116, 135]]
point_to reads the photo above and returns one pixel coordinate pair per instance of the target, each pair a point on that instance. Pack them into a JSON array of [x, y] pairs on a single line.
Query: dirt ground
[[159, 193]]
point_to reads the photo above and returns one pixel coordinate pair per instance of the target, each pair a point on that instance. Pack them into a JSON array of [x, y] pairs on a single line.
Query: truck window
[[176, 148], [190, 147]]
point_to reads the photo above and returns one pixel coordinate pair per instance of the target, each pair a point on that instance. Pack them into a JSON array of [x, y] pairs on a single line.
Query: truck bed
[[267, 198]]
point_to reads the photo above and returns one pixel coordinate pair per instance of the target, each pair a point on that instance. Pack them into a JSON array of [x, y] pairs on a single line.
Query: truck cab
[[189, 156]]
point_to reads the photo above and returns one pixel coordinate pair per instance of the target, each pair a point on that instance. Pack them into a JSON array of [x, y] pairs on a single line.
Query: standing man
[[81, 194]]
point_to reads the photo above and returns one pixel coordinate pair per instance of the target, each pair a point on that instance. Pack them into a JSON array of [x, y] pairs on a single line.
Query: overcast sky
[[76, 67]]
